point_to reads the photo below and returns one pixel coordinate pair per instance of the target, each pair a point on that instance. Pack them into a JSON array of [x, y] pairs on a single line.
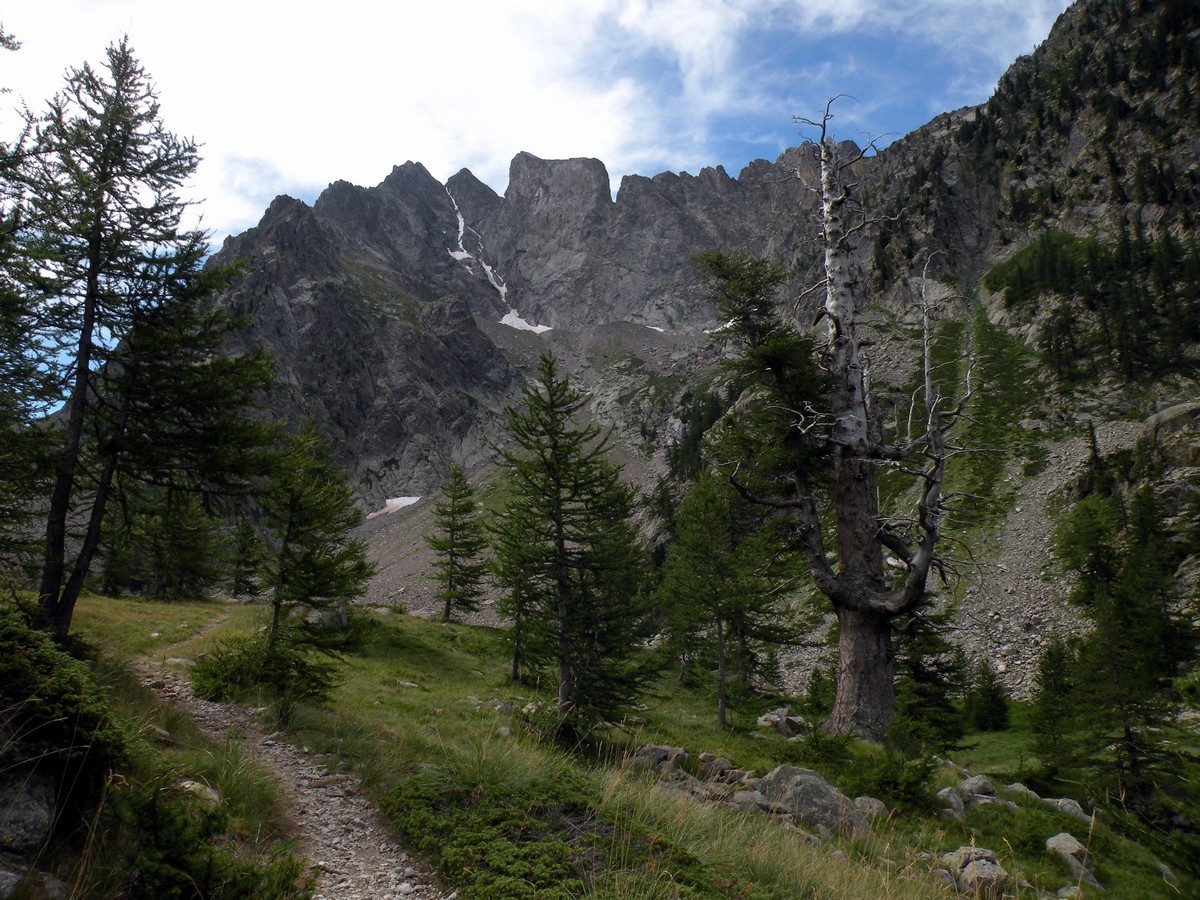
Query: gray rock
[[871, 808], [1017, 788], [984, 878], [813, 802], [27, 807], [1069, 806], [952, 805], [977, 871], [662, 759], [977, 786], [1079, 861]]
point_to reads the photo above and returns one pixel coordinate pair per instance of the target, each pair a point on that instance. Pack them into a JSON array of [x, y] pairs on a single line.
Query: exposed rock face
[[383, 304], [27, 806], [405, 384]]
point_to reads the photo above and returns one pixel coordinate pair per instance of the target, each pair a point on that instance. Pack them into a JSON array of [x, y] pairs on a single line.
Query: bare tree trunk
[[864, 602], [866, 699], [722, 700]]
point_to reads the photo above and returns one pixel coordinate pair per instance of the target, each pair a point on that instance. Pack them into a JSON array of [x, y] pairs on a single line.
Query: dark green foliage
[[172, 845], [122, 324], [1131, 301], [821, 688], [163, 544], [899, 774], [1102, 705], [545, 840], [569, 554], [1053, 705], [53, 713], [698, 412], [502, 842], [288, 671], [315, 567], [459, 543], [930, 677], [720, 589], [246, 557], [985, 705]]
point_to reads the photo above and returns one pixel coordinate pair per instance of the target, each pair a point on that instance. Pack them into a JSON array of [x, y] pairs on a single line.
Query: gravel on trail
[[348, 847]]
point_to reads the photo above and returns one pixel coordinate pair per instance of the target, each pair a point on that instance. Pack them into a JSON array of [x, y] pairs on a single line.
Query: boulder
[[27, 806], [782, 720], [977, 786], [814, 802], [952, 805], [976, 871], [1079, 861], [661, 759], [1069, 806]]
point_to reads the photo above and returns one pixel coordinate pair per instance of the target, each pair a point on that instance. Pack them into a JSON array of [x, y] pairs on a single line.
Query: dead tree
[[874, 571], [864, 598]]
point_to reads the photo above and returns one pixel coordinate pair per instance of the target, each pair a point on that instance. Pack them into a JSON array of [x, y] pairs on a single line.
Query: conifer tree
[[245, 558], [985, 705], [722, 587], [576, 558], [315, 567], [119, 289], [459, 542], [517, 540]]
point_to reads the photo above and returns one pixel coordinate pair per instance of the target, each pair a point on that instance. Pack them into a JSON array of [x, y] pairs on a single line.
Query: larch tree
[[119, 292], [833, 436], [722, 590], [315, 566], [579, 563], [459, 542]]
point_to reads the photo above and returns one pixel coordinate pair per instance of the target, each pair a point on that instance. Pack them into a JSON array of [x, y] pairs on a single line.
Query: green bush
[[288, 671], [498, 842], [53, 711], [172, 845]]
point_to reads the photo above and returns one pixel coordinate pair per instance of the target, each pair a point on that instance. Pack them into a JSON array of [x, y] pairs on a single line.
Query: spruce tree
[[459, 542], [579, 563]]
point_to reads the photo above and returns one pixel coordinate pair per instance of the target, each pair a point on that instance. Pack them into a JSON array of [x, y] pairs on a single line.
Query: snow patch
[[462, 254], [512, 320], [392, 504]]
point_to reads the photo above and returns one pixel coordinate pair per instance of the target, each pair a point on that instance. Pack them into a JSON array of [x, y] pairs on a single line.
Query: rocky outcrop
[[798, 795], [27, 807]]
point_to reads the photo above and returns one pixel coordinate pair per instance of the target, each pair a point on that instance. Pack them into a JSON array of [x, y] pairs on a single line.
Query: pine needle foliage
[[459, 542], [570, 555]]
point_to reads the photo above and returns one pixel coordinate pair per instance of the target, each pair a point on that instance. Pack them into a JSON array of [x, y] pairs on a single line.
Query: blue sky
[[287, 97]]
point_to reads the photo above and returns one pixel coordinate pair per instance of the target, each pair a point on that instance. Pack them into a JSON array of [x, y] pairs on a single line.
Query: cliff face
[[381, 303]]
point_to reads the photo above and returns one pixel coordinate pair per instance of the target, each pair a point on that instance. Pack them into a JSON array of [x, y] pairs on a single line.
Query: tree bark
[[866, 699]]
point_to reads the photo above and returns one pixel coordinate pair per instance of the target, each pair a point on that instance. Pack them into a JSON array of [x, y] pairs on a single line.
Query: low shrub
[[173, 845], [288, 671], [53, 712]]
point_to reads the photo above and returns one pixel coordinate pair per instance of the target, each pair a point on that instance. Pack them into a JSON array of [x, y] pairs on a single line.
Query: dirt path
[[346, 843]]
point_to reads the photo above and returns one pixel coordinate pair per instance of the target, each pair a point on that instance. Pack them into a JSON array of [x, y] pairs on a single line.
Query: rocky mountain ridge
[[405, 315]]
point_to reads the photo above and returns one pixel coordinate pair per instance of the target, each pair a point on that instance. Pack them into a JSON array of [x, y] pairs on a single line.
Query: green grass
[[426, 715], [146, 833]]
